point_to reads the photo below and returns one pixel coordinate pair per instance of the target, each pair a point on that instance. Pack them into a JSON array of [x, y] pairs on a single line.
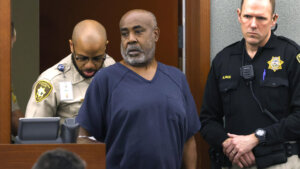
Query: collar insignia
[[298, 57], [275, 63]]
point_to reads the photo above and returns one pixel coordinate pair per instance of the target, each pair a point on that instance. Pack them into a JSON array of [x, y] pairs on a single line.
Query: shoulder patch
[[298, 57], [13, 97], [42, 90]]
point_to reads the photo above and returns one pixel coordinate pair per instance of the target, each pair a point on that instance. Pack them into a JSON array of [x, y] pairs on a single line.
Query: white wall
[[225, 27], [25, 54]]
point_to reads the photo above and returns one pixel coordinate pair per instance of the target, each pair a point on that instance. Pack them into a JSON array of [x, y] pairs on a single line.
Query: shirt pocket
[[275, 94], [227, 88], [69, 109]]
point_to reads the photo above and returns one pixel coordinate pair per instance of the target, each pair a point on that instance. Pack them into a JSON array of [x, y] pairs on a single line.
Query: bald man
[[60, 90], [142, 109]]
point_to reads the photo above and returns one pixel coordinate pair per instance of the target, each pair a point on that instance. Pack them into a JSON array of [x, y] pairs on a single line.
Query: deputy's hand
[[228, 148], [242, 144], [246, 160]]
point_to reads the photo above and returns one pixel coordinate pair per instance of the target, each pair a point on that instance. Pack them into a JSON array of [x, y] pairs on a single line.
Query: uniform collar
[[272, 42]]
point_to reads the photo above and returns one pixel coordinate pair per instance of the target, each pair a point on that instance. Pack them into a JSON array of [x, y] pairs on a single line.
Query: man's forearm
[[190, 154]]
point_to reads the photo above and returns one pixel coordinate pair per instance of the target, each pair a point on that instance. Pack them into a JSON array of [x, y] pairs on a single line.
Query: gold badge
[[298, 57], [275, 63], [42, 90]]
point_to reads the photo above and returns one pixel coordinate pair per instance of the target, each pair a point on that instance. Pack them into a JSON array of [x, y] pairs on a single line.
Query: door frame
[[5, 75], [198, 61]]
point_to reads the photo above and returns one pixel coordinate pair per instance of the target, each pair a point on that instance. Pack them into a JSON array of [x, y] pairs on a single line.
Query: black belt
[[291, 149]]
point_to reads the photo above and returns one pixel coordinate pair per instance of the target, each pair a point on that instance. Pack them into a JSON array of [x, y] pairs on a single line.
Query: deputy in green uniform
[[16, 112], [60, 90]]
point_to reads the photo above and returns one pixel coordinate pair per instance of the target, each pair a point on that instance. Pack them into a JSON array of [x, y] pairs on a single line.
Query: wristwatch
[[260, 134]]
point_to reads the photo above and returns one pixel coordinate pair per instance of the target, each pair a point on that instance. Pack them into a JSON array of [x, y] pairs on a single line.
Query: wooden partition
[[198, 61], [23, 156], [5, 71]]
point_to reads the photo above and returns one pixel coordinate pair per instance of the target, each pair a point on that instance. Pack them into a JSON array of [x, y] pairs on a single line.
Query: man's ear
[[71, 45], [274, 19], [239, 13], [105, 45], [156, 33]]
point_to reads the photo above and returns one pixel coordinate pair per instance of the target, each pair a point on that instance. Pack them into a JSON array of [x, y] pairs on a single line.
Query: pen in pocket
[[264, 74]]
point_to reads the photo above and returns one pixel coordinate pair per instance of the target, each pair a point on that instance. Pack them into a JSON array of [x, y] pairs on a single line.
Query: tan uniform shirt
[[59, 93]]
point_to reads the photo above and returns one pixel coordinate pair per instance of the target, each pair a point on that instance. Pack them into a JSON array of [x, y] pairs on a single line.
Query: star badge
[[275, 63]]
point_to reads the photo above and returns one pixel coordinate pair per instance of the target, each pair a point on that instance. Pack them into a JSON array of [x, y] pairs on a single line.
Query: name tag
[[66, 91]]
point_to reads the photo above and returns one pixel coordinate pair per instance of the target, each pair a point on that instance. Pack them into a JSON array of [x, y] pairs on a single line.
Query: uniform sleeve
[[42, 102], [211, 114], [14, 102], [91, 115], [289, 128], [194, 124]]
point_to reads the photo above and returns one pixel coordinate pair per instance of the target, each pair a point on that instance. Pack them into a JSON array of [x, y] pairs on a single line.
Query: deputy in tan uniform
[[60, 90]]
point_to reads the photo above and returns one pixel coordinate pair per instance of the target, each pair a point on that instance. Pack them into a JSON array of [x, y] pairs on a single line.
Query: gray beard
[[138, 61]]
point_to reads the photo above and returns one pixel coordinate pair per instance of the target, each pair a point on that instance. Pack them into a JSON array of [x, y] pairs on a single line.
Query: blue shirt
[[144, 123]]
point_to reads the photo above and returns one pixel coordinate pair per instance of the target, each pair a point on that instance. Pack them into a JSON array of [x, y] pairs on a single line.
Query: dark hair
[[271, 1], [59, 159]]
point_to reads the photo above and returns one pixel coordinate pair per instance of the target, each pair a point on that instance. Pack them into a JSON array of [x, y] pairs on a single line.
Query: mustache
[[133, 48]]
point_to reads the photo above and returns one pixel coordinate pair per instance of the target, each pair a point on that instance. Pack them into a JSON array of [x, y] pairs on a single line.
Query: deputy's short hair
[[271, 1]]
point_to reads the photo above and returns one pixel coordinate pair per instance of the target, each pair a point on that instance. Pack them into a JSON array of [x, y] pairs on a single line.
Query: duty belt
[[291, 149]]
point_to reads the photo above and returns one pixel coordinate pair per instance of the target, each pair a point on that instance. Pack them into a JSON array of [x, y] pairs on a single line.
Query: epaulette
[[234, 48], [233, 44], [54, 71], [291, 42], [50, 74]]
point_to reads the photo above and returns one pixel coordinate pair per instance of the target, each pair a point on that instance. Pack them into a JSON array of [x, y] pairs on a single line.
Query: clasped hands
[[238, 148]]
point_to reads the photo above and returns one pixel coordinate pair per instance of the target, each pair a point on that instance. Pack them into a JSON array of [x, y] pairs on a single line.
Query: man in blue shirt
[[142, 109]]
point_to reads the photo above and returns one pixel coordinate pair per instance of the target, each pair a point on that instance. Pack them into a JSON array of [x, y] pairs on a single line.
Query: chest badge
[[298, 57], [275, 63]]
